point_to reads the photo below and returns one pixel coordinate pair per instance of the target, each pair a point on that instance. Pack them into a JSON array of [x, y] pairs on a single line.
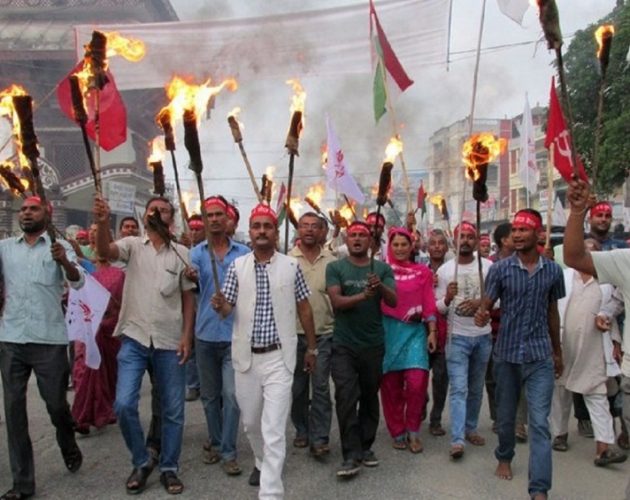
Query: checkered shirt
[[265, 331]]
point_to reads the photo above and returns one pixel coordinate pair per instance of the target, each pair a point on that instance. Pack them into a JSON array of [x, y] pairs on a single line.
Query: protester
[[128, 227], [468, 346], [311, 410], [356, 289], [485, 245], [156, 325], [528, 349], [33, 338], [266, 290], [407, 345], [213, 339]]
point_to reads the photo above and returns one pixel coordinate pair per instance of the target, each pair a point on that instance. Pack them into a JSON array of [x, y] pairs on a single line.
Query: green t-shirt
[[362, 325]]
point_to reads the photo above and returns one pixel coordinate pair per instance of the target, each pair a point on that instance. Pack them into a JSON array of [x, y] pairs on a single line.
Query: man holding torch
[[267, 291], [33, 338], [156, 326]]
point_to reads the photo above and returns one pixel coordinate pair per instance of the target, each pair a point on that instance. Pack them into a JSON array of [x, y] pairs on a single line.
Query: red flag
[[112, 112], [558, 134], [422, 195]]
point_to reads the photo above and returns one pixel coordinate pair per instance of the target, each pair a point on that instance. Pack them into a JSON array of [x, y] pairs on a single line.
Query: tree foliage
[[583, 81]]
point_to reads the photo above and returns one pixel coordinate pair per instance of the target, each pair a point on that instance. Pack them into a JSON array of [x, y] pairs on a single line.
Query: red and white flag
[[527, 169], [86, 307], [339, 177], [558, 134]]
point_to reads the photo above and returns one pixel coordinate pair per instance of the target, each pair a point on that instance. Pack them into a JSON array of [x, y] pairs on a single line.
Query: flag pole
[[550, 196]]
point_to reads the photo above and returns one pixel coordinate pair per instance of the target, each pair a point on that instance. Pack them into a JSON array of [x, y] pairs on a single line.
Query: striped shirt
[[525, 298]]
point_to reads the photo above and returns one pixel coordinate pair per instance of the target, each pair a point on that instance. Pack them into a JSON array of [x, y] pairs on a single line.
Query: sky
[[438, 98]]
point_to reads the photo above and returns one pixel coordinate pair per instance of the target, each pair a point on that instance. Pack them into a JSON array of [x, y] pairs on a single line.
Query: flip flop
[[610, 457], [172, 484], [457, 451], [137, 481]]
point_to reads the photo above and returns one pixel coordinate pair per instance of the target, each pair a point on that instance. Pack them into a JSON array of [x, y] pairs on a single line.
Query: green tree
[[583, 80]]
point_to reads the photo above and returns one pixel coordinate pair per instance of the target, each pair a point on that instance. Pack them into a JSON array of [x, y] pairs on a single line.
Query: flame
[[346, 212], [481, 149], [296, 206], [374, 189], [365, 213], [299, 96], [189, 198], [185, 95], [316, 193], [235, 112], [393, 149], [436, 199], [601, 33], [7, 109], [158, 150], [131, 49], [269, 171]]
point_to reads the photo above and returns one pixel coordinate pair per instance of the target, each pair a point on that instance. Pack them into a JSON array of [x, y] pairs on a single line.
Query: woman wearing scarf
[[406, 362]]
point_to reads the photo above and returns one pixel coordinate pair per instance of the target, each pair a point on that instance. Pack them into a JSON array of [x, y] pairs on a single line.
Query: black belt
[[267, 348]]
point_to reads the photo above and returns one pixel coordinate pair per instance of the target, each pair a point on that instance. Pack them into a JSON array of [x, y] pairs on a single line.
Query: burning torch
[[313, 198], [235, 127], [292, 143], [155, 162], [604, 36]]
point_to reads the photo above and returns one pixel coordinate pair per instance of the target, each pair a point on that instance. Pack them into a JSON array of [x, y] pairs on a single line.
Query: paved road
[[401, 475]]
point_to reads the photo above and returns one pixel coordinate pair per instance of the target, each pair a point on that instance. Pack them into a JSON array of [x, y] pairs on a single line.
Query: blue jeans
[[313, 425], [192, 373], [169, 375], [466, 361], [216, 374], [538, 379]]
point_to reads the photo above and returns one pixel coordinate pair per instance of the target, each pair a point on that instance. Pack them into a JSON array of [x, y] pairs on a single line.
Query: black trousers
[[52, 371], [357, 376], [439, 386]]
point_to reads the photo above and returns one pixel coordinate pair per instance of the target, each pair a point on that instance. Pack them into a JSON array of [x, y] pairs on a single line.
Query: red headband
[[214, 201], [526, 220], [37, 199], [603, 207], [466, 227], [358, 227], [484, 237], [261, 210], [231, 213], [195, 225], [82, 234], [371, 220]]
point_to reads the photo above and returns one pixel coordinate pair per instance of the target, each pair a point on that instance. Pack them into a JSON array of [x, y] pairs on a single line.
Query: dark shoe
[[73, 459], [137, 481], [348, 469], [585, 428], [610, 457], [231, 468], [254, 478], [561, 443], [172, 484], [622, 441], [210, 455], [369, 459], [437, 430], [192, 395], [521, 433], [15, 495], [300, 442], [319, 450]]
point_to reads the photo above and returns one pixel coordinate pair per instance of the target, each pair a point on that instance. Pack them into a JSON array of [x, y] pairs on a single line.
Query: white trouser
[[560, 410], [599, 410], [264, 396]]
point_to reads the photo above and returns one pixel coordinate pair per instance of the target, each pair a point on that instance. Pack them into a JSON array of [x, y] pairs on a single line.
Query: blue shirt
[[33, 287], [525, 298], [209, 326]]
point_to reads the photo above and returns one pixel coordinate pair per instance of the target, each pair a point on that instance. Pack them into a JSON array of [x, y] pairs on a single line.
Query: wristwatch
[[314, 352]]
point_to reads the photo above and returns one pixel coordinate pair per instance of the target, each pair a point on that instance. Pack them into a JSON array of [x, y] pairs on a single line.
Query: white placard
[[121, 197]]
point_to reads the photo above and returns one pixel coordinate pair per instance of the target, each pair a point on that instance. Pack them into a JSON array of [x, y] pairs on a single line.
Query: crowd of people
[[258, 335]]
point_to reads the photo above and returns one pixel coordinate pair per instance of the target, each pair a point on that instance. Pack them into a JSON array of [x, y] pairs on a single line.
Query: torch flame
[[296, 206], [299, 96], [481, 149], [393, 149], [346, 212], [7, 109], [158, 150], [190, 96], [269, 171], [436, 200], [131, 49], [315, 193], [601, 33], [188, 197]]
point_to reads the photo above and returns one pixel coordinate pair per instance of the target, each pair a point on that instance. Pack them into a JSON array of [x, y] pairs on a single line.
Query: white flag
[[527, 170], [337, 173], [558, 217], [86, 307], [514, 9]]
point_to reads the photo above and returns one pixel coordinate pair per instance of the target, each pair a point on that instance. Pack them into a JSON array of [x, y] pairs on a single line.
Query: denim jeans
[[314, 425], [192, 373], [169, 375], [216, 374], [538, 379], [466, 360]]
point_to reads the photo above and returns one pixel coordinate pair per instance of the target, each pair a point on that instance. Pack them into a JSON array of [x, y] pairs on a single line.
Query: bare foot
[[504, 471]]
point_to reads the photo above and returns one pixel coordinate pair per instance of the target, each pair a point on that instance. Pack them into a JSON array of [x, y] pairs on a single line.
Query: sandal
[[437, 430], [415, 445], [172, 484], [400, 443], [457, 451], [137, 481], [610, 457], [73, 459], [476, 439]]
